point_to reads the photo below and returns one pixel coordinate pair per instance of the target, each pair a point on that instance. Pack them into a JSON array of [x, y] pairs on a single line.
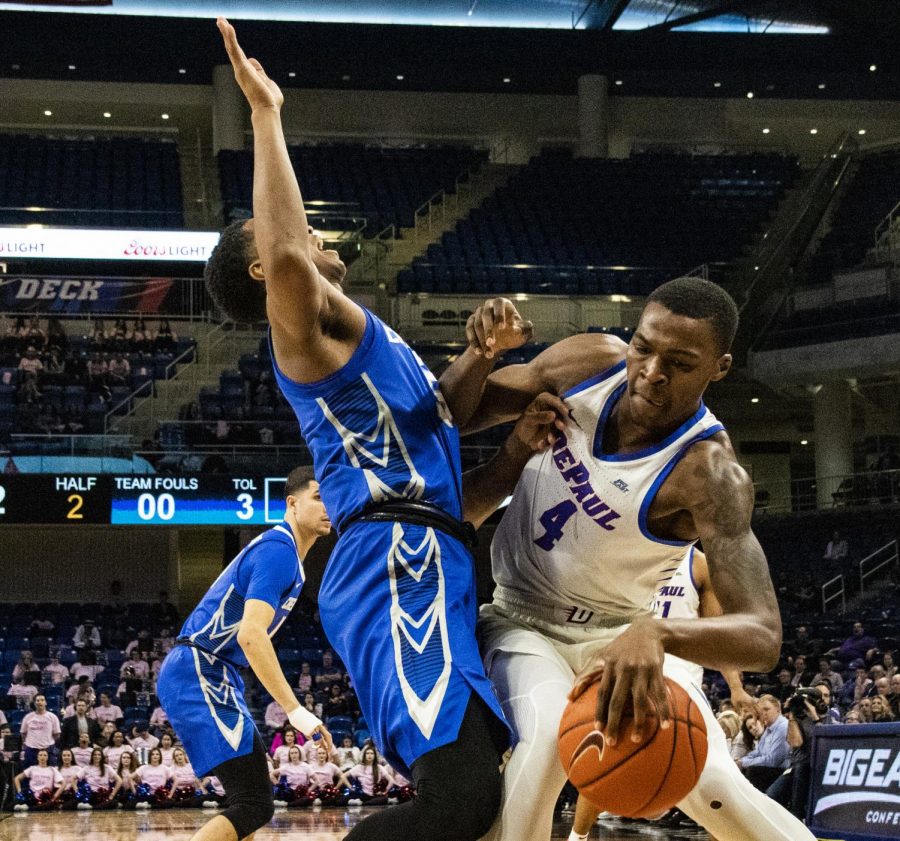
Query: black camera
[[796, 704]]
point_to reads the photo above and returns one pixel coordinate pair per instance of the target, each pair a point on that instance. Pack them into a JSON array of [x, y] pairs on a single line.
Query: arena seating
[[73, 401], [387, 184], [849, 320], [872, 194], [99, 182], [577, 226]]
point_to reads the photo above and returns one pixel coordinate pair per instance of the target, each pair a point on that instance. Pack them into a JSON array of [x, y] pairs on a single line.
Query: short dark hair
[[697, 298], [298, 480], [237, 295]]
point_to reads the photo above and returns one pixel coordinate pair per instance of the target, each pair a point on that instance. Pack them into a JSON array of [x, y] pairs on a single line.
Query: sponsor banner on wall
[[75, 295], [32, 243], [855, 792]]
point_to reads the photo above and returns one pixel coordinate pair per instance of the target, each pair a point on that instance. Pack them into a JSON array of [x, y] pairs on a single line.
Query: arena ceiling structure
[[779, 48]]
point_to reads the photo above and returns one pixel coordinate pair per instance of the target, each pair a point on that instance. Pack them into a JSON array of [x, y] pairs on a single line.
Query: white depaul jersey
[[679, 598], [575, 540]]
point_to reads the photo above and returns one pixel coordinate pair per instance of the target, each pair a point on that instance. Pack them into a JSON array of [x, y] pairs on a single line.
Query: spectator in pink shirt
[[56, 671], [185, 785], [292, 780], [370, 780], [82, 754], [138, 666], [107, 711], [305, 680], [141, 643], [167, 749], [126, 768], [325, 776], [153, 780], [40, 730], [71, 774], [102, 781], [158, 719], [42, 778], [113, 752], [141, 738], [288, 740], [86, 665], [275, 716], [26, 665], [81, 689]]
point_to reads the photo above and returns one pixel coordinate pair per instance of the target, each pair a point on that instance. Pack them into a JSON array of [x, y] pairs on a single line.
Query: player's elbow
[[248, 637], [768, 647]]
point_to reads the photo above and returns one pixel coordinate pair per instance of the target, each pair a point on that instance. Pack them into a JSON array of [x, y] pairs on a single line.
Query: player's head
[[304, 506], [679, 347], [235, 277]]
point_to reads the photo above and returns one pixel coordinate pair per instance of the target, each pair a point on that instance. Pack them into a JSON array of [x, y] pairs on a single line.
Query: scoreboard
[[141, 500]]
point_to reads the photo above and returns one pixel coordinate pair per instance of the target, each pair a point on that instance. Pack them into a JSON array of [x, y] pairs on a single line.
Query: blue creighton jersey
[[268, 569], [378, 428]]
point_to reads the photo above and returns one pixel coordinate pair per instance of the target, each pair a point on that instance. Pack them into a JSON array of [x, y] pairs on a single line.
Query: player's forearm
[[734, 680], [733, 641], [486, 487], [281, 228], [260, 653], [462, 384]]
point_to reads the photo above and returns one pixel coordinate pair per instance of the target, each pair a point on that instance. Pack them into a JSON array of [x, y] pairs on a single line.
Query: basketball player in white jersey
[[686, 595], [642, 467]]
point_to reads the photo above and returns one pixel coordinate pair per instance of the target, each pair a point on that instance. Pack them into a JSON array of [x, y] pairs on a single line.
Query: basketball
[[631, 779]]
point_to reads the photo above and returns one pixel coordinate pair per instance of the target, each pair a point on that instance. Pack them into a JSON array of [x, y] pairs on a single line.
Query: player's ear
[[255, 270], [723, 366]]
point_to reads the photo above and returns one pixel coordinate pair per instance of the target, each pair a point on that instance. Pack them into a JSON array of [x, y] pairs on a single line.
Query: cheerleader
[[348, 754], [152, 781], [291, 780], [288, 740], [185, 785], [82, 754], [214, 793], [126, 770], [370, 781], [71, 774], [117, 747], [43, 780], [167, 746], [325, 780], [99, 783]]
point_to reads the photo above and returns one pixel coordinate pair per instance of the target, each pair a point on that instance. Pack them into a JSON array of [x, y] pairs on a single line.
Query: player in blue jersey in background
[[397, 599], [200, 687]]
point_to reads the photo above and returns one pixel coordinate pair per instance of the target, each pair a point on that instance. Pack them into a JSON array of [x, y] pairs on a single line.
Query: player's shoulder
[[711, 466], [571, 361]]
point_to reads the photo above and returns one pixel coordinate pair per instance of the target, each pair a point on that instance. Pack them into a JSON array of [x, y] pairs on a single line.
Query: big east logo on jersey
[[289, 605]]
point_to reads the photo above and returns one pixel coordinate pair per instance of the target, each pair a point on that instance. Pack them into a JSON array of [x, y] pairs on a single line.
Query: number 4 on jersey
[[553, 520]]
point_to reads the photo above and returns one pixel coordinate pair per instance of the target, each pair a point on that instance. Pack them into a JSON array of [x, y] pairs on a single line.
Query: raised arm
[[298, 298], [508, 391]]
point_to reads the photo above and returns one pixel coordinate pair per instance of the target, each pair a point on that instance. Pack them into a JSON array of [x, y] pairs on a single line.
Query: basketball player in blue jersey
[[641, 467], [200, 687], [397, 600]]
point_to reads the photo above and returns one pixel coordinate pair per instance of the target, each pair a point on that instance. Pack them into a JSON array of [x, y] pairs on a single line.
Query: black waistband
[[417, 513], [187, 641]]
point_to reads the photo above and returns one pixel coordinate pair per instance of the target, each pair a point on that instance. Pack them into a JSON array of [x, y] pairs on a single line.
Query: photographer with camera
[[804, 710]]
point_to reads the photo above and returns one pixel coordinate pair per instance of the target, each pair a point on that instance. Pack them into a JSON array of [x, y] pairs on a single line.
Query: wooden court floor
[[293, 824]]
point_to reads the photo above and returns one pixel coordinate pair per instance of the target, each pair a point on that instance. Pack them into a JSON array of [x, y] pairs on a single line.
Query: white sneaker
[[210, 804], [393, 801], [142, 805], [354, 802], [84, 807], [280, 802], [20, 807], [317, 801]]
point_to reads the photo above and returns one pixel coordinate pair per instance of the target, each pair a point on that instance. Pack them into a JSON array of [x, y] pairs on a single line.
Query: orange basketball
[[634, 780]]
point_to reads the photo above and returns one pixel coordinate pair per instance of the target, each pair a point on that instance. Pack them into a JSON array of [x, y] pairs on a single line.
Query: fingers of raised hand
[[611, 702]]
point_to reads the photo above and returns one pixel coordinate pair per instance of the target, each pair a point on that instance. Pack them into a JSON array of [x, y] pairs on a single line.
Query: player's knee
[[249, 812]]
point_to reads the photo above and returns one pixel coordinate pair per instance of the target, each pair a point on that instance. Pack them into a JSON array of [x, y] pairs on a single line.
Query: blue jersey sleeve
[[269, 570]]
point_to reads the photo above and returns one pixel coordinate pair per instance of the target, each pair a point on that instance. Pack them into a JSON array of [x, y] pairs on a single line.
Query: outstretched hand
[[261, 92], [496, 326], [630, 667]]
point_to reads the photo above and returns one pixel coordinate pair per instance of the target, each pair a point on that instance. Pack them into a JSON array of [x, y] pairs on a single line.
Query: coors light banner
[[856, 782], [101, 244]]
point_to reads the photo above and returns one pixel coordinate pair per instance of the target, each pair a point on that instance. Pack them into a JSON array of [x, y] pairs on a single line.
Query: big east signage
[[856, 782]]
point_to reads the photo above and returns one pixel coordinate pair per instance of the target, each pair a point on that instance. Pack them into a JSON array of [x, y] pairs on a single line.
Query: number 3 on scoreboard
[[246, 512]]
